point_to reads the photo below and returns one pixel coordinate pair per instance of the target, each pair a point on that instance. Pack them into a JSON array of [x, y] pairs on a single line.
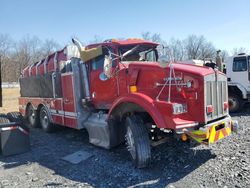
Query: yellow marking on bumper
[[211, 135]]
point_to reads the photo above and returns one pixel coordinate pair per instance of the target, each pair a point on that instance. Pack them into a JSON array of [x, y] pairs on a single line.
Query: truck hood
[[192, 69], [149, 78]]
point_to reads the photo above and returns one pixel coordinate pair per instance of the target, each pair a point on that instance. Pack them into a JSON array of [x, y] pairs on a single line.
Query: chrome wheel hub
[[44, 120], [130, 143]]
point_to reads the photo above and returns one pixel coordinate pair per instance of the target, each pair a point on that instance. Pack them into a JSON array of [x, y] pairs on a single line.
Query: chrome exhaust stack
[[84, 71]]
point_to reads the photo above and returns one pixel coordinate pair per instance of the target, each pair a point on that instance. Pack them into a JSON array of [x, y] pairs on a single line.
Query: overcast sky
[[226, 23]]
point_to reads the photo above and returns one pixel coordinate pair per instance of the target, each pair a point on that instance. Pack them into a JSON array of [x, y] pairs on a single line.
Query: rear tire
[[137, 141], [32, 117], [4, 120], [235, 103], [15, 117], [45, 122]]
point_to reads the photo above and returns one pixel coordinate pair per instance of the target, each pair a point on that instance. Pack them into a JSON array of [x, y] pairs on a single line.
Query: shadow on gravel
[[171, 161]]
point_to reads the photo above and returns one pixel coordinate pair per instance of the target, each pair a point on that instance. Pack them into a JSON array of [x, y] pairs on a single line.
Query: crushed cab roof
[[117, 42]]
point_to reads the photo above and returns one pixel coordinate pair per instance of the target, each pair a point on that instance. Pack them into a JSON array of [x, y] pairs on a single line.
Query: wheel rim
[[31, 116], [44, 119], [130, 143], [233, 103]]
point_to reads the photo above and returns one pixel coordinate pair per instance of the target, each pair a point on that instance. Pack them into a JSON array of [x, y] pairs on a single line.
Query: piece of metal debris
[[77, 157]]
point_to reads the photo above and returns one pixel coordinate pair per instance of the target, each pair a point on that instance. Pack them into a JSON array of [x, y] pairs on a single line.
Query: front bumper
[[214, 131]]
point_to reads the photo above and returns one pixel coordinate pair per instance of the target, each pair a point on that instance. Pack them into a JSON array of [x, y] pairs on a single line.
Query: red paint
[[103, 92], [57, 104], [69, 105], [113, 92], [226, 105]]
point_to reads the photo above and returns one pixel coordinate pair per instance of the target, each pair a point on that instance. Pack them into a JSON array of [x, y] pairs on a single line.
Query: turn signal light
[[184, 137], [133, 89], [210, 109]]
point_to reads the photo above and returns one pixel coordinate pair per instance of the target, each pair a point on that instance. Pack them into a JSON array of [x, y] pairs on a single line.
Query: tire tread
[[142, 142]]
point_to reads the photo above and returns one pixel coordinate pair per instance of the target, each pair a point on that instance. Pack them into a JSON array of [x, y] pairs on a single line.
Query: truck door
[[69, 108], [103, 92], [240, 71]]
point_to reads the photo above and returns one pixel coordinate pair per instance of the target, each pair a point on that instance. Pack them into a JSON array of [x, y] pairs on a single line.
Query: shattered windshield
[[140, 53]]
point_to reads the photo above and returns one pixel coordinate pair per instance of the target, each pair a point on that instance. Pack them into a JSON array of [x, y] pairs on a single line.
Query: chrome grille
[[215, 95]]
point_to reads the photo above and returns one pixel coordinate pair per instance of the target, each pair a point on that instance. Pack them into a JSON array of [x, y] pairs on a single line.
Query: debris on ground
[[224, 164]]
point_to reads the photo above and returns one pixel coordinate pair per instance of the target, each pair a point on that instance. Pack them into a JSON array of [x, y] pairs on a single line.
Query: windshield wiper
[[129, 51]]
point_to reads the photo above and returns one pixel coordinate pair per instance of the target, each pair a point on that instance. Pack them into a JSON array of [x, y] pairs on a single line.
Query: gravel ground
[[175, 164]]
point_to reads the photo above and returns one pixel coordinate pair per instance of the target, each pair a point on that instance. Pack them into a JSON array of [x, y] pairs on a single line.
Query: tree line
[[16, 55], [192, 47]]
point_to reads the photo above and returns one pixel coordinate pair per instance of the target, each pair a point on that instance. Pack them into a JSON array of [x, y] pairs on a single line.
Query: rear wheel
[[137, 141], [45, 122], [235, 103], [15, 116], [4, 120], [32, 117]]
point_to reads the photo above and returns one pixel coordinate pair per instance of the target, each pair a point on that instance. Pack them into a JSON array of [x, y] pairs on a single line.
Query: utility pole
[[1, 96]]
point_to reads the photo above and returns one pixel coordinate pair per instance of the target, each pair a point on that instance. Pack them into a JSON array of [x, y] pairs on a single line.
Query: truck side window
[[240, 64], [98, 62], [248, 60]]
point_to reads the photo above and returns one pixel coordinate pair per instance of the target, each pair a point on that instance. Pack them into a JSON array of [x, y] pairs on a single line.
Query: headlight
[[179, 108], [189, 84]]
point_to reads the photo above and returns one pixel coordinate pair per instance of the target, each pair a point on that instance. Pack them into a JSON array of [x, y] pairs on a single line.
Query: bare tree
[[177, 49], [49, 46], [155, 37], [192, 45], [237, 51], [15, 56], [197, 47], [6, 44], [27, 51]]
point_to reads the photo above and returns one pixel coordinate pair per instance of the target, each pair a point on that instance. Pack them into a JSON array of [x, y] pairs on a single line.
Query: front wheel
[[235, 103], [45, 122], [137, 141]]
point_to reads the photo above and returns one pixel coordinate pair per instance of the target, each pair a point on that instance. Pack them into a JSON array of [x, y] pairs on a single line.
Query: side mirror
[[142, 57], [107, 67], [163, 61]]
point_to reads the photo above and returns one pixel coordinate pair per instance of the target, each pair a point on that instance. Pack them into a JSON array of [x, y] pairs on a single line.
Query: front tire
[[45, 122], [137, 141], [235, 103]]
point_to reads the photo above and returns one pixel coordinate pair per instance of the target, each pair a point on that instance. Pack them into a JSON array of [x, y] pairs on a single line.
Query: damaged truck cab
[[119, 91]]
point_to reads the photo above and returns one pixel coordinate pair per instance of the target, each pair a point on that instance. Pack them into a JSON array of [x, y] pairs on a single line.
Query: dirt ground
[[175, 164], [10, 100]]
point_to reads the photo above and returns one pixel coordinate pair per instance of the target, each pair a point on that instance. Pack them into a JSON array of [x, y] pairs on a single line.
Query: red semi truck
[[119, 91]]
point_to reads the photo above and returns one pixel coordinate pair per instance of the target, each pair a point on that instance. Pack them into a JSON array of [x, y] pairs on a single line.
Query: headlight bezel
[[179, 108]]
